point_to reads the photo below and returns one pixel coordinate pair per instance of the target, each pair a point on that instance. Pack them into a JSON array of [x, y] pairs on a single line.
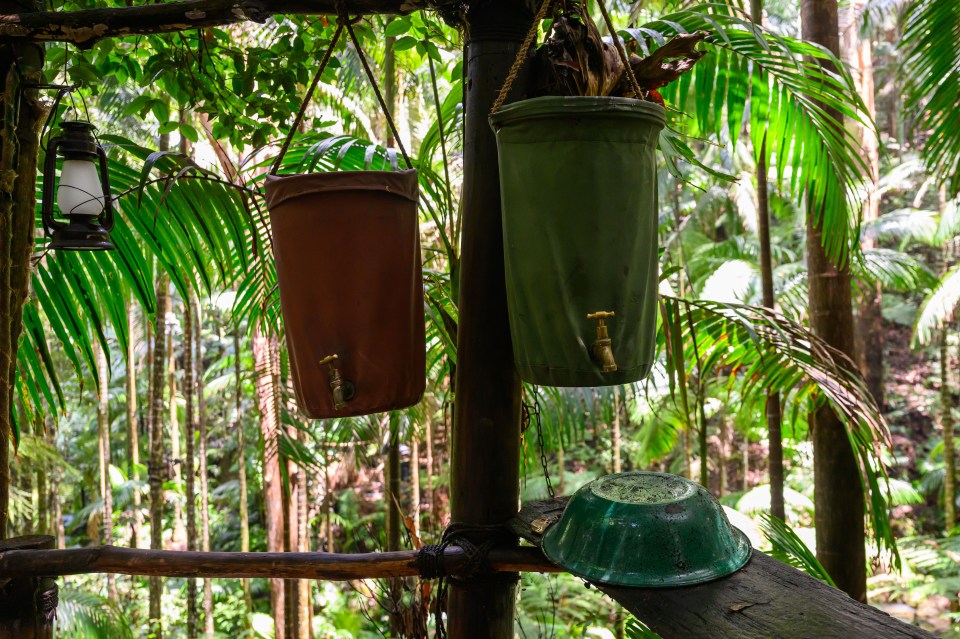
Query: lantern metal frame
[[81, 232]]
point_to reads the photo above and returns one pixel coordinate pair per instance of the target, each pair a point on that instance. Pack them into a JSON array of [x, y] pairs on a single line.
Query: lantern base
[[80, 236]]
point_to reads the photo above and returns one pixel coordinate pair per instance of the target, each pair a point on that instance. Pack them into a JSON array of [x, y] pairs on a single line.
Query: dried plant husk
[[574, 60]]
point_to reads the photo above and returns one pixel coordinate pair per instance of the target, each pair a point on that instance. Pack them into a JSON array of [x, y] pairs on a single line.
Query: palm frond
[[790, 549], [85, 615], [903, 224], [758, 350], [787, 90], [939, 308], [894, 270], [932, 68]]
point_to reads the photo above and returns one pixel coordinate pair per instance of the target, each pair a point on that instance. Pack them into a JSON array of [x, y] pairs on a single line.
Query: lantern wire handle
[[62, 90]]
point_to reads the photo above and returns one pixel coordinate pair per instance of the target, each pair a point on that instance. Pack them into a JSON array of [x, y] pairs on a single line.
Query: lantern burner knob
[[603, 344], [343, 390]]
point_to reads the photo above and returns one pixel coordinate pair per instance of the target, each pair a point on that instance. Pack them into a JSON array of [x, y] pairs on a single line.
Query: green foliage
[[788, 91], [790, 549], [85, 615], [932, 68], [768, 351]]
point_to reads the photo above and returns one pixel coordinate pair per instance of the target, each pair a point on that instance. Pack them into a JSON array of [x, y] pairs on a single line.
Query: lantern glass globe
[[80, 191]]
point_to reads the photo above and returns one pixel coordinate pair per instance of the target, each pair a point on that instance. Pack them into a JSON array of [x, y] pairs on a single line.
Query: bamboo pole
[[251, 565]]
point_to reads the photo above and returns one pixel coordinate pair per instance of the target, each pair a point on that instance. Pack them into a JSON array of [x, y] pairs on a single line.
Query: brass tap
[[342, 389], [603, 345]]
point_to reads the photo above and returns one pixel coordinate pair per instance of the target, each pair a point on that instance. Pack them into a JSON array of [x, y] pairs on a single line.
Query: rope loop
[[521, 56], [344, 21], [531, 37], [430, 561], [476, 542]]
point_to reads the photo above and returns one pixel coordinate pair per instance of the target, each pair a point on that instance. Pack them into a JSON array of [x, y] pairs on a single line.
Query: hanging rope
[[376, 90], [306, 99], [343, 22], [431, 564], [521, 56], [621, 50], [531, 36]]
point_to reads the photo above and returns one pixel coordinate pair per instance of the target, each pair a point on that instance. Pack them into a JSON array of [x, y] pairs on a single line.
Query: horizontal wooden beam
[[85, 27], [247, 565], [766, 598]]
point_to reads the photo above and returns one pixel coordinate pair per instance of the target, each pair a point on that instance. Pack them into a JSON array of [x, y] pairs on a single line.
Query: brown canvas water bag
[[347, 251]]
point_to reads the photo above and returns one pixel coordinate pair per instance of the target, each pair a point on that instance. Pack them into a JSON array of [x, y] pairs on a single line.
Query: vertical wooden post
[[25, 611], [485, 457]]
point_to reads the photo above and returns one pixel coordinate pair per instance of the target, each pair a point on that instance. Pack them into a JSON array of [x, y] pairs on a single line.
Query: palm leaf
[[939, 308], [931, 60], [790, 549], [760, 350], [788, 100]]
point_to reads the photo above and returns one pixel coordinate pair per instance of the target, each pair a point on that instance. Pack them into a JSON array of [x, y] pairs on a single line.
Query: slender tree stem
[[133, 434], [208, 621], [189, 387], [157, 470]]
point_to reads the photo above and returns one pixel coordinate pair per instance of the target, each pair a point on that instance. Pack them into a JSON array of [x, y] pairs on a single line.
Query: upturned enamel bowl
[[645, 529]]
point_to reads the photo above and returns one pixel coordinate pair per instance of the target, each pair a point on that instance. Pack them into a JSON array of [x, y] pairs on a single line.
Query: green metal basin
[[645, 529]]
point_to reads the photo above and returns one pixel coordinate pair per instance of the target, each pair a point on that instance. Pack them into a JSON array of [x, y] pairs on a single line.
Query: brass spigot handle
[[329, 360], [601, 315]]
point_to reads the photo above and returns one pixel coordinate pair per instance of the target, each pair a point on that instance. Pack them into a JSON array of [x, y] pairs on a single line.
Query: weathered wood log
[[87, 26], [283, 565], [764, 599], [27, 602]]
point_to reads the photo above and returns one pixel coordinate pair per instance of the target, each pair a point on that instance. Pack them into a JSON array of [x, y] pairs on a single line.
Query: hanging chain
[[531, 413]]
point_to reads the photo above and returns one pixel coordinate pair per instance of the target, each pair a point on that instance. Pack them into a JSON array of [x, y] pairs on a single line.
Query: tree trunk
[[772, 407], [189, 386], [208, 620], [723, 454], [617, 466], [745, 450], [391, 472], [415, 482], [43, 492], [8, 353], [133, 434], [292, 527], [392, 466], [103, 441], [23, 115], [328, 502], [949, 454], [263, 348], [157, 470], [179, 530], [242, 476], [305, 612], [431, 494], [485, 457], [838, 495], [869, 336]]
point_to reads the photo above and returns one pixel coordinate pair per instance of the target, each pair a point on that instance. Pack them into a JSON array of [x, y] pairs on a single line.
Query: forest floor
[[910, 407]]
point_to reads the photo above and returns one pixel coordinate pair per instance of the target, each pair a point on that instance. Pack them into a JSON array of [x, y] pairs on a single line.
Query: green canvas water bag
[[578, 180]]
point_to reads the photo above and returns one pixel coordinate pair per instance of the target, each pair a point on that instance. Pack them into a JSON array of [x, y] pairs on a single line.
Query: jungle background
[[179, 332]]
